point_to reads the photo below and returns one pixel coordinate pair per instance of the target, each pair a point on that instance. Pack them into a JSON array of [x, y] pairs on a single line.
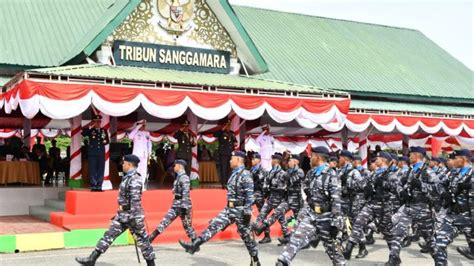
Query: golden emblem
[[177, 14]]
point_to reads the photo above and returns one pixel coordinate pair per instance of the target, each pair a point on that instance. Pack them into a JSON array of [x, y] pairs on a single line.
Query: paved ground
[[223, 253]]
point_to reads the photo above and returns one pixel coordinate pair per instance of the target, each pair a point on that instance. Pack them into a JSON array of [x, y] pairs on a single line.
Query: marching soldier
[[277, 201], [377, 194], [141, 148], [323, 216], [98, 139], [186, 142], [181, 206], [456, 200], [259, 178], [352, 195], [227, 142], [295, 179], [239, 210], [129, 216], [417, 191]]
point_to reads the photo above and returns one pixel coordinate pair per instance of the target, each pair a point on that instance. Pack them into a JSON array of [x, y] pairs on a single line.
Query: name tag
[[231, 204], [317, 209]]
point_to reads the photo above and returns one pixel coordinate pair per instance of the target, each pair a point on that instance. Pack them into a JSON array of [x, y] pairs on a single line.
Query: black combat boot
[[284, 239], [89, 261], [150, 262], [406, 242], [266, 239], [425, 248], [348, 250], [467, 252], [254, 261], [153, 235], [281, 263], [314, 243], [393, 261], [258, 229], [369, 239], [362, 252], [193, 246]]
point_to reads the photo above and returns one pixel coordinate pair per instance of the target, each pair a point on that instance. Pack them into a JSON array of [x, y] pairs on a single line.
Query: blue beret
[[442, 160], [239, 154], [472, 159], [346, 153], [277, 156], [435, 159], [463, 152], [394, 156], [418, 149], [294, 157], [333, 159], [256, 156], [181, 161], [320, 150], [385, 155], [452, 155], [404, 159], [131, 158]]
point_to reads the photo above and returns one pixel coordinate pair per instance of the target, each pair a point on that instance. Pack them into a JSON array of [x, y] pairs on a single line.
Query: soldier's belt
[[177, 197], [123, 208], [233, 204]]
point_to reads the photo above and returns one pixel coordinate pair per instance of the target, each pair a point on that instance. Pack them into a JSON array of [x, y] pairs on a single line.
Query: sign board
[[171, 57]]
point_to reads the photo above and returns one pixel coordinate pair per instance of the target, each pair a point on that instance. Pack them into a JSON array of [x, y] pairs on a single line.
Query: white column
[[193, 121], [75, 165], [105, 124], [26, 132]]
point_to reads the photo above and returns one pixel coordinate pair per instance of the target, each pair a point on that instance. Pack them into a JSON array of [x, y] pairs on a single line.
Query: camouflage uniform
[[375, 209], [417, 196], [130, 216], [324, 209], [259, 176], [458, 218], [295, 199], [181, 206], [352, 184], [277, 201], [240, 198]]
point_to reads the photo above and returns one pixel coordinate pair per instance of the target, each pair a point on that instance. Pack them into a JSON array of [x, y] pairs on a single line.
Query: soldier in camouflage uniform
[[295, 178], [181, 206], [239, 210], [129, 216], [417, 190], [456, 199], [375, 210], [259, 177], [323, 216], [353, 198], [277, 201]]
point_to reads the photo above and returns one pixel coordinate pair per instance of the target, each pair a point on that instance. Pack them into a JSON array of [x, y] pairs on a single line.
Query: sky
[[449, 23]]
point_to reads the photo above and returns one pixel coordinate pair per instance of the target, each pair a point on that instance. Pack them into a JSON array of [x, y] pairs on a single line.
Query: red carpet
[[88, 210]]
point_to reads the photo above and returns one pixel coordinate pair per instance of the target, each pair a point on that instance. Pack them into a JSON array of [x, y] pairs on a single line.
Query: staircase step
[[58, 205], [41, 212]]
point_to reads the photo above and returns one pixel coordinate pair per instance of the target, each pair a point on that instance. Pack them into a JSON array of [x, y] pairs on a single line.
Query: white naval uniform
[[266, 150], [142, 149]]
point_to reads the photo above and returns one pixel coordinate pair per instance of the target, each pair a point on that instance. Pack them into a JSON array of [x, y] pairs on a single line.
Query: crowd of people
[[337, 201]]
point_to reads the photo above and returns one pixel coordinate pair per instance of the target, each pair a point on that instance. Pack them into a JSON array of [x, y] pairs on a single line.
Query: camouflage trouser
[[137, 228], [371, 212], [311, 225], [266, 209], [346, 206], [224, 219], [186, 219], [358, 202], [419, 214], [278, 214], [259, 200], [295, 202], [445, 231]]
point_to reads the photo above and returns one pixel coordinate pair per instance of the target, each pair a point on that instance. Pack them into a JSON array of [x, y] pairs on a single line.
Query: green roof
[[53, 32], [411, 107], [174, 76], [361, 58]]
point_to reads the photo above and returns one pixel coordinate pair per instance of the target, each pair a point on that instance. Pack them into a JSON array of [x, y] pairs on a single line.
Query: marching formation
[[341, 205]]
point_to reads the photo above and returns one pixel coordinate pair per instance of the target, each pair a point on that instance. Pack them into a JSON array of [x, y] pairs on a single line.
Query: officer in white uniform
[[141, 148], [265, 141]]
